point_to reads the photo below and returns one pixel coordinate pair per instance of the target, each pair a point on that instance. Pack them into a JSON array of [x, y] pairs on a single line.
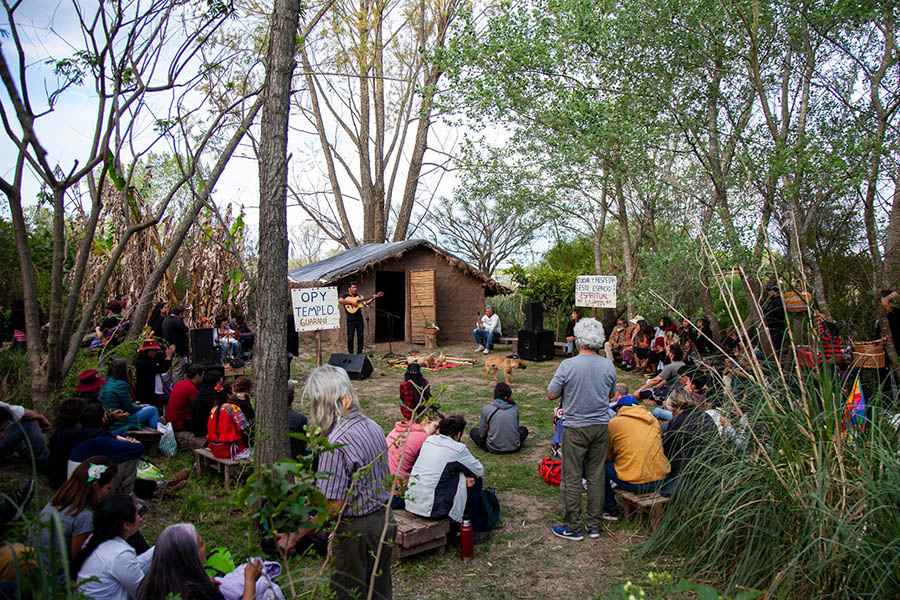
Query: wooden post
[[318, 347]]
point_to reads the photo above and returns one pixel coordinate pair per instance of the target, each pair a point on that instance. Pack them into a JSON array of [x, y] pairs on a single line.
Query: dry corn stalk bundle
[[139, 257], [204, 274], [216, 284]]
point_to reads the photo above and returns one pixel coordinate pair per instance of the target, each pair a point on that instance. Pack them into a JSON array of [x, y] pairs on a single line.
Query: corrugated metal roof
[[354, 259], [335, 267]]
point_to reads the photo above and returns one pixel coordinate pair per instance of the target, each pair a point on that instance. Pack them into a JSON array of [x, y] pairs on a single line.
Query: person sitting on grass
[[207, 398], [122, 451], [635, 460], [414, 390], [116, 395], [73, 507], [404, 443], [499, 430], [178, 410], [689, 429], [21, 431], [228, 428], [177, 569], [659, 385], [149, 366], [68, 434], [108, 567], [643, 338], [446, 480]]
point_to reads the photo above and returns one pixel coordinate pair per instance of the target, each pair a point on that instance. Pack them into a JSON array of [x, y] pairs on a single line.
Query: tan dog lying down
[[503, 364]]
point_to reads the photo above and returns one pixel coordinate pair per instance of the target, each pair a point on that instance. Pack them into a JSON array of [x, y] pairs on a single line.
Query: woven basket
[[794, 302], [868, 355]]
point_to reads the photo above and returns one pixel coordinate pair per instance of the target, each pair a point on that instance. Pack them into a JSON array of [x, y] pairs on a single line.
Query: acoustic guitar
[[360, 302]]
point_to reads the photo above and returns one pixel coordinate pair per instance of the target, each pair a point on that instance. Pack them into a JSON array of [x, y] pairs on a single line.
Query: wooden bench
[[148, 437], [508, 341], [207, 463], [652, 504], [416, 534], [232, 372], [514, 342]]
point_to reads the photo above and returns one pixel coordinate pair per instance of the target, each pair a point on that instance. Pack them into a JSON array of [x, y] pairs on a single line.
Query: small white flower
[[96, 471]]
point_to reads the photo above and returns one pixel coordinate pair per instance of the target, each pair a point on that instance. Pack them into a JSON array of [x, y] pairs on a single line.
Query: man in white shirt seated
[[446, 480], [487, 329]]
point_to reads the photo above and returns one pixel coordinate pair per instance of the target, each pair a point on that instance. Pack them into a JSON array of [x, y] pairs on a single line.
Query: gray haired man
[[586, 382], [487, 330]]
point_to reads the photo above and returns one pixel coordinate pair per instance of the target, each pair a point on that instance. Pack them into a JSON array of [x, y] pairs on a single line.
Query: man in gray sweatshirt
[[499, 430]]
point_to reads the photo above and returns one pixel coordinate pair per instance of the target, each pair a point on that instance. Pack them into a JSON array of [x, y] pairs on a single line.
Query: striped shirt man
[[362, 457]]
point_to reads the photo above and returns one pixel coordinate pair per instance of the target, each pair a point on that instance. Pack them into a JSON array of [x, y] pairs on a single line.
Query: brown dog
[[503, 364]]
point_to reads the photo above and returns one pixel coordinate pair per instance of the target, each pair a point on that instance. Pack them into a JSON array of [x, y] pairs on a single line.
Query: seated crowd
[[607, 438]]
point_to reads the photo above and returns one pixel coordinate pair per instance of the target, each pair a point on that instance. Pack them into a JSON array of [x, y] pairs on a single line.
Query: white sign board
[[595, 291], [315, 308]]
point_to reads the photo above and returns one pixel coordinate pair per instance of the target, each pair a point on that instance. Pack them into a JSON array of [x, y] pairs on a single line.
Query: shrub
[[800, 510]]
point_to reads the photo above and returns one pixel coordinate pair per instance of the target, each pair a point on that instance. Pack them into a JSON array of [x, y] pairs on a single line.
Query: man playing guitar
[[352, 302]]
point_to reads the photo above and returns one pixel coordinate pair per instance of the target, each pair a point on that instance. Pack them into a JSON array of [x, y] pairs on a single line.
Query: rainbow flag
[[854, 417]]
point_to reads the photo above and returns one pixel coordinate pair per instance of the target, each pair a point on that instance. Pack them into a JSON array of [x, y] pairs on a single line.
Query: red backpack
[[551, 470]]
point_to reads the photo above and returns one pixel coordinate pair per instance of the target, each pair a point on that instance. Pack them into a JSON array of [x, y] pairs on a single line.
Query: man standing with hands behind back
[[586, 383]]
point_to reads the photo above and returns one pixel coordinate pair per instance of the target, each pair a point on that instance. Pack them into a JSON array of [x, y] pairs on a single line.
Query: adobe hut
[[421, 284]]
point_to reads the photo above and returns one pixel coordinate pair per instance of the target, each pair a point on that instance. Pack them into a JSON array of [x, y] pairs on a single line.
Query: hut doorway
[[393, 284]]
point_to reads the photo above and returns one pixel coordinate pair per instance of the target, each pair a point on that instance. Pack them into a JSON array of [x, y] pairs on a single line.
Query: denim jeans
[[17, 436], [485, 338], [148, 415], [609, 505]]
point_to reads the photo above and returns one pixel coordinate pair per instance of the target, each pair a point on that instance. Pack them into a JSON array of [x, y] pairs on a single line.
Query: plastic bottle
[[466, 540]]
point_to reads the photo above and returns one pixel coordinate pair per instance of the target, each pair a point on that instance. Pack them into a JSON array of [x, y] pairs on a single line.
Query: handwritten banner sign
[[315, 308], [595, 291]]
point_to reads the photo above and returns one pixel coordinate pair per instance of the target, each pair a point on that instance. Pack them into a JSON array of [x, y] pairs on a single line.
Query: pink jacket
[[414, 436]]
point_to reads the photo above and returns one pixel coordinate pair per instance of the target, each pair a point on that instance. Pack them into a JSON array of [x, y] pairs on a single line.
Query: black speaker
[[534, 316], [535, 345], [358, 366], [202, 349]]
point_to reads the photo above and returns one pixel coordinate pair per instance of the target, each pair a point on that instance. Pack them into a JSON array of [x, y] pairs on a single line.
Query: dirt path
[[523, 559]]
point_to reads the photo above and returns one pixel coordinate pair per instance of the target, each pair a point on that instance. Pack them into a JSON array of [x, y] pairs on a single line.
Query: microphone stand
[[390, 317]]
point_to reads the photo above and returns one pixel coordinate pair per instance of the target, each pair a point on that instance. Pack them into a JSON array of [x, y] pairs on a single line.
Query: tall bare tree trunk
[[627, 248], [892, 240], [271, 363]]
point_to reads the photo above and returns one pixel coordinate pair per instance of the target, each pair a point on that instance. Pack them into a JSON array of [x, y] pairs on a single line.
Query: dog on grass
[[504, 364]]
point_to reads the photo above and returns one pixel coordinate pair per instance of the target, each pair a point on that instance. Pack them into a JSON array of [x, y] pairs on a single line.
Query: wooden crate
[[148, 437], [416, 534], [232, 372], [652, 504], [207, 463]]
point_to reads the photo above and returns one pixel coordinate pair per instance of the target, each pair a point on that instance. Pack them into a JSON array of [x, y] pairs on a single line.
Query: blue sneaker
[[563, 532], [594, 533]]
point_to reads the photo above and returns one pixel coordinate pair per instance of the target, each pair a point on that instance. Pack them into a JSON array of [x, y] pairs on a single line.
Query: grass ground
[[522, 560]]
